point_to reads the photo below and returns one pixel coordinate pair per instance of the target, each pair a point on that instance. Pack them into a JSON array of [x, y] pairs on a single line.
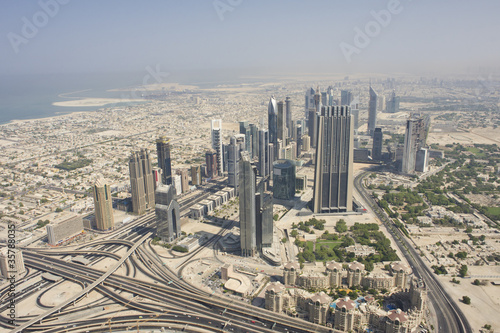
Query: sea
[[30, 96]]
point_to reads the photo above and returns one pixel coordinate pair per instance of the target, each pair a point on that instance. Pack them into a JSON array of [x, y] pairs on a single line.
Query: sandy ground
[[476, 135], [485, 301], [95, 102]]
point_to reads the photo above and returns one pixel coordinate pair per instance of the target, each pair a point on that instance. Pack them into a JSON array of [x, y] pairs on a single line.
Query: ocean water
[[30, 96]]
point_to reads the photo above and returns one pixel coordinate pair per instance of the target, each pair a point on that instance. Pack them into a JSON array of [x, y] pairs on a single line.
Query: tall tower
[[333, 174], [372, 112], [289, 120], [168, 224], [236, 146], [282, 130], [345, 97], [309, 101], [217, 144], [103, 206], [164, 161], [377, 144], [265, 158], [272, 114], [211, 162], [254, 137], [141, 181], [415, 137], [248, 228]]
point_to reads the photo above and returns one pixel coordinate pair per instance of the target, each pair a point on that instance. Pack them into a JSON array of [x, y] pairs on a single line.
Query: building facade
[[333, 174], [103, 206], [141, 182], [283, 180], [164, 161], [372, 112]]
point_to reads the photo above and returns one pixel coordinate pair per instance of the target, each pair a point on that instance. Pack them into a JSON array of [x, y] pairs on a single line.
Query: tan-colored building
[[274, 296], [11, 268], [334, 271], [291, 273], [400, 273], [355, 274], [103, 206], [318, 306]]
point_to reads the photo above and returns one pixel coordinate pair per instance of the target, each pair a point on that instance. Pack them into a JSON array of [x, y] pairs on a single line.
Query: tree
[[294, 233], [58, 210], [466, 300], [341, 226], [476, 282], [463, 270]]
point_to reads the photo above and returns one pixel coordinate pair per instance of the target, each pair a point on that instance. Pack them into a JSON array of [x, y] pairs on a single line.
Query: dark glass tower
[[272, 114], [333, 174], [164, 161], [283, 180], [377, 144], [372, 112]]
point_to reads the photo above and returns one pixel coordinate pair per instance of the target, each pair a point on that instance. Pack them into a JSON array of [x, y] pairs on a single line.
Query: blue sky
[[281, 35]]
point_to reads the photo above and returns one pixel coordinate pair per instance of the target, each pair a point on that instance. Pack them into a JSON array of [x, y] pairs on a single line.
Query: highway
[[98, 281], [449, 316], [171, 293]]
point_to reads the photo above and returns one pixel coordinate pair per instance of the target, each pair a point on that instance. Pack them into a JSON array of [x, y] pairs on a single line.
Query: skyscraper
[[141, 181], [377, 144], [372, 112], [236, 146], [393, 104], [217, 144], [289, 120], [415, 137], [195, 175], [333, 174], [103, 206], [282, 130], [245, 130], [309, 101], [312, 128], [211, 162], [167, 210], [345, 97], [283, 180], [254, 137], [263, 216], [272, 114], [248, 241], [184, 179], [265, 153], [164, 161]]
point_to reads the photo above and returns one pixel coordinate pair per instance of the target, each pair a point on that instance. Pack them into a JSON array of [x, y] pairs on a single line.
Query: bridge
[[110, 271]]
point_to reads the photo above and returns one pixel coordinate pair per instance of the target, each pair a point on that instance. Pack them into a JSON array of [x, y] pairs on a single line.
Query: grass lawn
[[494, 210], [330, 244], [476, 151]]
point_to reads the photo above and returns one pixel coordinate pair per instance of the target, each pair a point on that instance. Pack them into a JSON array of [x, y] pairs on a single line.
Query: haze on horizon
[[257, 36]]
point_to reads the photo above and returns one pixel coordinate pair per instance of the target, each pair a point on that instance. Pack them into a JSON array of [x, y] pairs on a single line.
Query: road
[[449, 316]]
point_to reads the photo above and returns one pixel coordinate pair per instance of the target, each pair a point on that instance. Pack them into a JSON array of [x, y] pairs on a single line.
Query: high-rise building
[[248, 241], [421, 160], [245, 130], [283, 180], [372, 112], [164, 161], [196, 175], [177, 183], [211, 162], [254, 137], [306, 143], [141, 181], [393, 104], [263, 217], [312, 127], [381, 103], [289, 120], [377, 144], [331, 97], [167, 210], [415, 137], [217, 144], [281, 121], [333, 175], [103, 206], [345, 97], [236, 146], [11, 262], [266, 153], [309, 101], [184, 180], [64, 228], [272, 113]]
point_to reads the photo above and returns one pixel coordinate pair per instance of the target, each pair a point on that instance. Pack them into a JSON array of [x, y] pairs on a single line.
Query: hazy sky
[[294, 35]]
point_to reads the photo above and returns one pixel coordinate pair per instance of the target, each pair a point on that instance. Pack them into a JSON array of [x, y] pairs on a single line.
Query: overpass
[[111, 270]]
